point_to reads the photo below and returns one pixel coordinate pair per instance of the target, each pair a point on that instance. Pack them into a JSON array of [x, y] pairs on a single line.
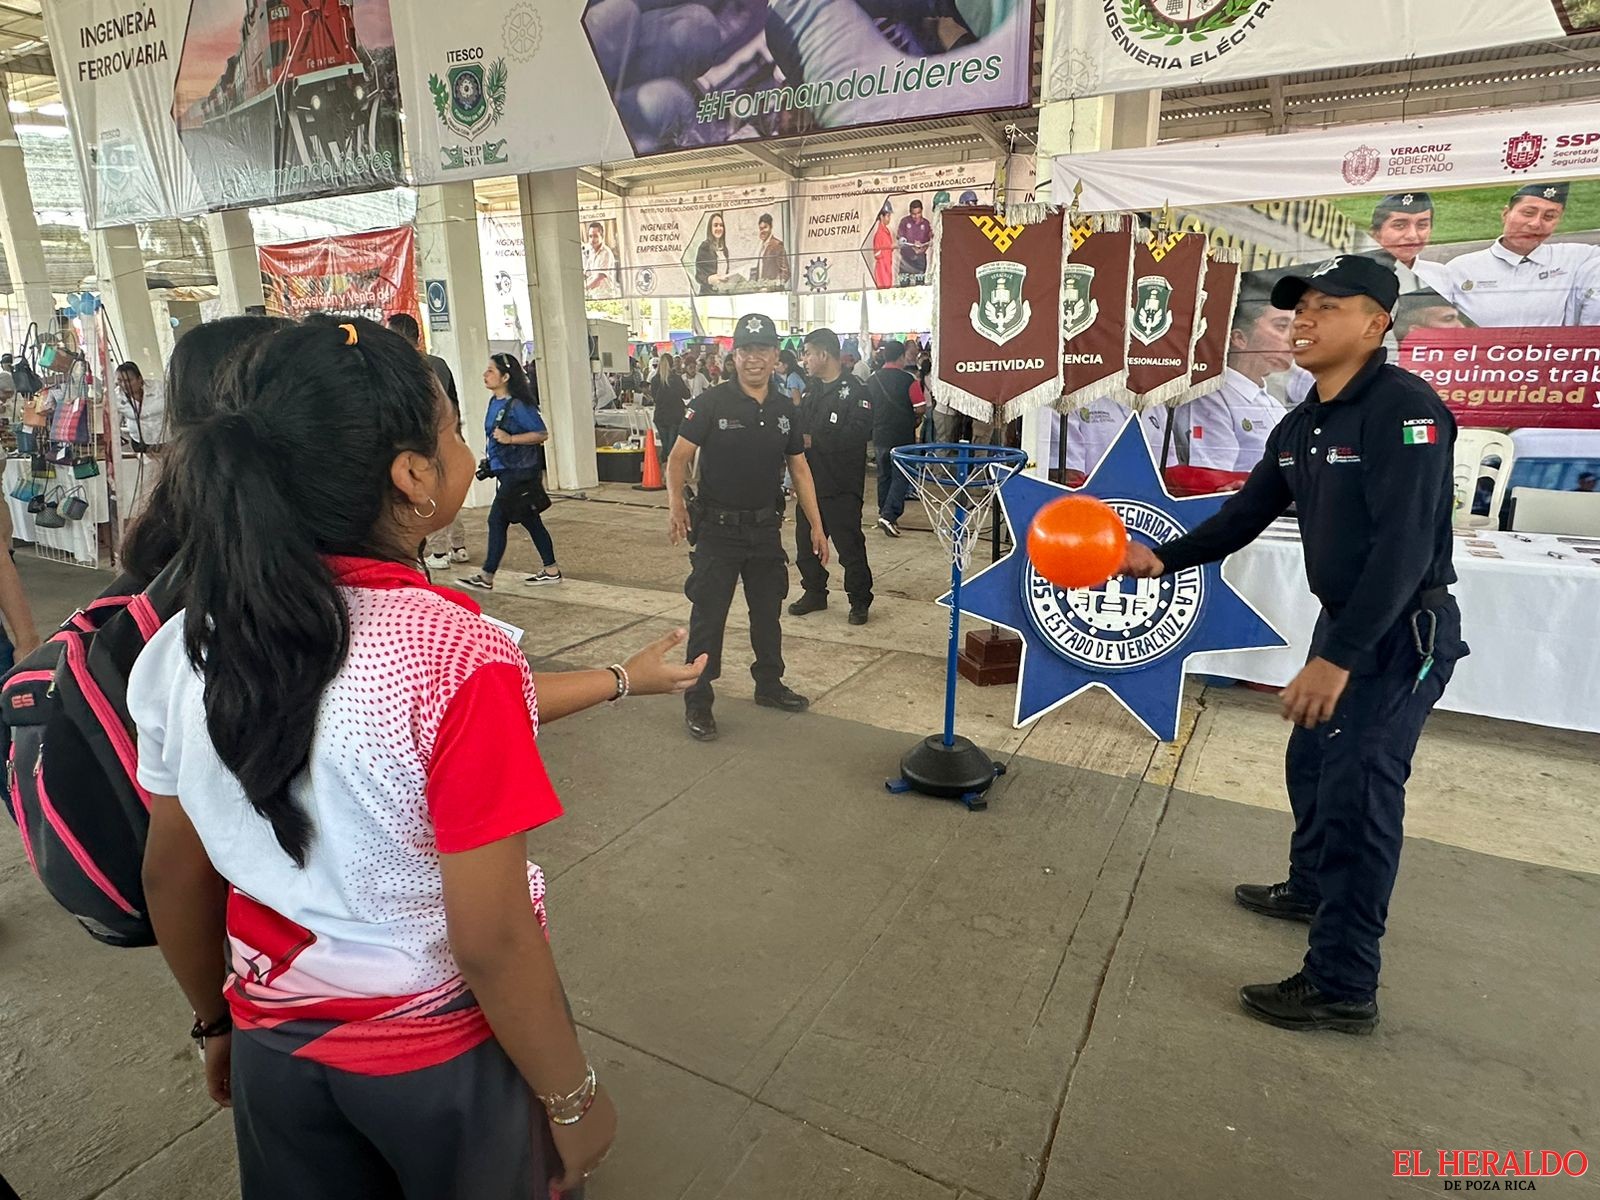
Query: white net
[[957, 488]]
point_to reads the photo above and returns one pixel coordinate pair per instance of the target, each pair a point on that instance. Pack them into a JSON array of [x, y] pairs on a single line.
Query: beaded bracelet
[[572, 1108], [624, 686]]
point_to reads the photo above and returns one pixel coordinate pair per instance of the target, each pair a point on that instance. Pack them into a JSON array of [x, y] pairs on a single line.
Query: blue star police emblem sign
[[1132, 637]]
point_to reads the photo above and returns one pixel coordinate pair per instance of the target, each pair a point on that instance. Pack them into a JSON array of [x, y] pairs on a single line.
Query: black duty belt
[[1429, 598], [740, 516]]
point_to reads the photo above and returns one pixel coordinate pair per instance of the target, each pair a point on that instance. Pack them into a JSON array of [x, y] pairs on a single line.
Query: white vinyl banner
[[871, 232], [178, 107], [530, 85], [1558, 142], [1103, 46]]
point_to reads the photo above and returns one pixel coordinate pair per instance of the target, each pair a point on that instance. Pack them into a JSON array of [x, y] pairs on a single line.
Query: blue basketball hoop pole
[[957, 484]]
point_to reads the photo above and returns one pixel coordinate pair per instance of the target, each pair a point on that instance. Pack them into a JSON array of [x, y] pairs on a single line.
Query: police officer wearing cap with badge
[[1366, 460], [745, 431], [836, 419], [1524, 279], [1402, 225]]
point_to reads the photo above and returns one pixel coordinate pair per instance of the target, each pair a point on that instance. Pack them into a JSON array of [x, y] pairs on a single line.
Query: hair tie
[[350, 337]]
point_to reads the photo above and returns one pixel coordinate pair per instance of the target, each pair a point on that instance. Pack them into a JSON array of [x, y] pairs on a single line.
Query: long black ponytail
[[295, 465]]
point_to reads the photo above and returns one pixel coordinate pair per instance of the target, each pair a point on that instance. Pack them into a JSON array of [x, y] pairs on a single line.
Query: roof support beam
[[770, 159], [987, 134], [601, 184]]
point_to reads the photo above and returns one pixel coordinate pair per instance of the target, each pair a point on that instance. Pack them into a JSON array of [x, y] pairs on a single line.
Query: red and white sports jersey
[[424, 744]]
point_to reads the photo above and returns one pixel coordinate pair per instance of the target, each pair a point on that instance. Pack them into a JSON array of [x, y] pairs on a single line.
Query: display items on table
[[1527, 604], [30, 496]]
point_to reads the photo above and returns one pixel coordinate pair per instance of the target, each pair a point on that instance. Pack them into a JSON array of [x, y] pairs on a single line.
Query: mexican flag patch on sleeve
[[1420, 435]]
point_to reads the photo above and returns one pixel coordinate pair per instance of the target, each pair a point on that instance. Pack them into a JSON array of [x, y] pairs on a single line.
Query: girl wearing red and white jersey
[[343, 767]]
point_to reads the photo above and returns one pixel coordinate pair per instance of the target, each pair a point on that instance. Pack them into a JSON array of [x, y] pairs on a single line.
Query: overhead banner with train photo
[[371, 275], [178, 107], [500, 89], [1105, 46]]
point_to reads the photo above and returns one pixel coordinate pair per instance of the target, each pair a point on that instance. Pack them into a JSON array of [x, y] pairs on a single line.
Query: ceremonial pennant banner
[[372, 275], [1096, 291], [1165, 315], [1216, 321], [996, 314]]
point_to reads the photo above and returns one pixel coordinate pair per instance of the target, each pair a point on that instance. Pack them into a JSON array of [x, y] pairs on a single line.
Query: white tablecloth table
[[1532, 620], [81, 538]]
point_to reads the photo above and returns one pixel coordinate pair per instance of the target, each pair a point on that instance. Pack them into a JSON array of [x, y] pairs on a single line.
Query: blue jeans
[[500, 524], [893, 486]]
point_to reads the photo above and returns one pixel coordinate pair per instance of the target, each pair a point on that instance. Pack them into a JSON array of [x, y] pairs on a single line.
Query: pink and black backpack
[[71, 761]]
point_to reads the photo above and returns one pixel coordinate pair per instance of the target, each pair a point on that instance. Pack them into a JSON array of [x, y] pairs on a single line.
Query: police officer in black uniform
[[836, 419], [744, 429], [1367, 462]]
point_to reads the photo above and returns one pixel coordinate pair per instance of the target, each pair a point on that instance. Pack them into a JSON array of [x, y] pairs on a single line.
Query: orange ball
[[1077, 542]]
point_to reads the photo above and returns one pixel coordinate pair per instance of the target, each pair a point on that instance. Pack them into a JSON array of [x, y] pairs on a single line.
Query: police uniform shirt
[[743, 445], [1369, 474], [1585, 305], [1498, 287], [837, 417], [1092, 428], [1228, 428]]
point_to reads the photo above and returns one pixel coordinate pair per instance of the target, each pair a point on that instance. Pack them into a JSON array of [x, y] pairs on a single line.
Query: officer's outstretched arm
[[1263, 499]]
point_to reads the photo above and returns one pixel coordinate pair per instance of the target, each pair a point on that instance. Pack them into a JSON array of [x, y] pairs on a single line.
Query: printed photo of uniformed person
[[1367, 462], [1402, 227], [1227, 429], [1523, 278], [746, 430]]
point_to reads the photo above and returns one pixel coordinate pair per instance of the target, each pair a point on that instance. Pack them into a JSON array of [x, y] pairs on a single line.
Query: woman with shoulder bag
[[515, 457]]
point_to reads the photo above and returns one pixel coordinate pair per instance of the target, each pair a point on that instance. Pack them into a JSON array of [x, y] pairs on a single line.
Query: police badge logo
[[1000, 313], [1152, 308], [1079, 309], [784, 426], [1361, 165], [1132, 638], [1524, 151]]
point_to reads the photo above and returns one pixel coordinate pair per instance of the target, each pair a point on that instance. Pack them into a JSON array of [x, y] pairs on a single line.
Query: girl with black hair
[[193, 374], [516, 436], [342, 768]]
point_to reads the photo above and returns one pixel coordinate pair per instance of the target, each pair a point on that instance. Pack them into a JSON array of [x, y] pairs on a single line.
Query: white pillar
[[119, 264], [19, 232], [447, 250], [234, 257], [1117, 122], [550, 225]]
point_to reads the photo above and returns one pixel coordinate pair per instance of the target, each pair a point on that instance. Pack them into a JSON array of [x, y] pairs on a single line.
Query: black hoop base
[[958, 772]]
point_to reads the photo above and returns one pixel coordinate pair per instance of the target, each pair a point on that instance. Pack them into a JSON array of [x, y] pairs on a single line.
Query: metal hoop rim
[[960, 454]]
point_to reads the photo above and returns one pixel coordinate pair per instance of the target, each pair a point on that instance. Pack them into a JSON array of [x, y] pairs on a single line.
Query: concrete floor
[[799, 986]]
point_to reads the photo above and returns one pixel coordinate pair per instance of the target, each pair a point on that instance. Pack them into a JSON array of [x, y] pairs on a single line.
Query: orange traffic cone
[[652, 465]]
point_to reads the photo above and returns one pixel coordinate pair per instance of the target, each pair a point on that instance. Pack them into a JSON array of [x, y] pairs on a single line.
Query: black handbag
[[524, 499], [23, 376]]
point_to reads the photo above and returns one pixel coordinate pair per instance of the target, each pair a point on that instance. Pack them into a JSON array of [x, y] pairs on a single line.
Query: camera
[[484, 470]]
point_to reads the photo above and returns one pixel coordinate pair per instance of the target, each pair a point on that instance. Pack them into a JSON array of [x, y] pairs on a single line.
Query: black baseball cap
[[1556, 192], [1344, 275], [756, 329]]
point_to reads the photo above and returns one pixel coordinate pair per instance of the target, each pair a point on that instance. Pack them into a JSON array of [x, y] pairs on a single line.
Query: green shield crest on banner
[[469, 98], [1152, 308], [1000, 313], [1079, 308]]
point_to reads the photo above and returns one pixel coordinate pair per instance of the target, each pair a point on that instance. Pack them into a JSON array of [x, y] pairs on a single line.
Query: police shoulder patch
[[688, 414]]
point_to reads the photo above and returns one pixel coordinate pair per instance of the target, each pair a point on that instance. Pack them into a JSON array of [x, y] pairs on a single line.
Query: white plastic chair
[[1481, 454]]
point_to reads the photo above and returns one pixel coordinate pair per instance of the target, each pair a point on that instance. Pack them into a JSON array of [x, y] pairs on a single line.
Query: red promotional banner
[[1512, 377], [371, 275]]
